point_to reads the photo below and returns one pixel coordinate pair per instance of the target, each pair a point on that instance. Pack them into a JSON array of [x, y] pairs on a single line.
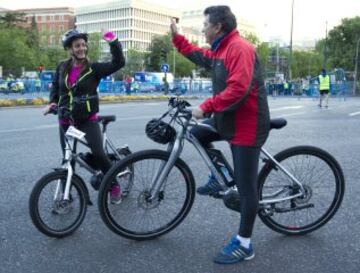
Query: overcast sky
[[271, 17]]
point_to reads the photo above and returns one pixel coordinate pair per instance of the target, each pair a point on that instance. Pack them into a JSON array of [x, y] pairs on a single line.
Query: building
[[194, 35], [195, 18], [51, 22], [135, 22]]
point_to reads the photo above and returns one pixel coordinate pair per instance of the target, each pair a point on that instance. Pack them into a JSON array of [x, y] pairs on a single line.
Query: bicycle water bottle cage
[[160, 131]]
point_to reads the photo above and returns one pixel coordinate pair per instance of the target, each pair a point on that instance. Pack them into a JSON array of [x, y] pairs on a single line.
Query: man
[[324, 88], [241, 114]]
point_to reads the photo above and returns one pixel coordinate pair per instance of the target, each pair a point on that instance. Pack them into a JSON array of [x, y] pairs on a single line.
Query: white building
[[135, 22], [195, 18]]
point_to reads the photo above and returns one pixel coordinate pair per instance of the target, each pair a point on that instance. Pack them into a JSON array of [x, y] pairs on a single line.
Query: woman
[[75, 93]]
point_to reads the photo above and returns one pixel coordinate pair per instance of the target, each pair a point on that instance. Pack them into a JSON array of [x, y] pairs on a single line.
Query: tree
[[341, 44], [135, 61], [263, 51], [12, 18], [252, 38], [158, 44], [306, 63], [15, 53]]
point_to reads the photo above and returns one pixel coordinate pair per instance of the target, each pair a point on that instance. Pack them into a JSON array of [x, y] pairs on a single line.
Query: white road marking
[[354, 114], [286, 108]]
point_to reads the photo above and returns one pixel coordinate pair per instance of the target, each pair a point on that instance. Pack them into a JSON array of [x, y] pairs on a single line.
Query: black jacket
[[81, 100]]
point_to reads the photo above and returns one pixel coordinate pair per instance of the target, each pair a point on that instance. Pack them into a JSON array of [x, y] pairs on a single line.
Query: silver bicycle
[[58, 201], [300, 188]]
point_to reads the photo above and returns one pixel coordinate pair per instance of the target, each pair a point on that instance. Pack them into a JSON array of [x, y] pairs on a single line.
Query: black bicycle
[[59, 199], [300, 188]]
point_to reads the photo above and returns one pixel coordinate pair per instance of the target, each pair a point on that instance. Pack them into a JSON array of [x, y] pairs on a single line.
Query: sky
[[272, 18]]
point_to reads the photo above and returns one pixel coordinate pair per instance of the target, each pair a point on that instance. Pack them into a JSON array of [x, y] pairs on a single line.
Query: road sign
[[164, 68]]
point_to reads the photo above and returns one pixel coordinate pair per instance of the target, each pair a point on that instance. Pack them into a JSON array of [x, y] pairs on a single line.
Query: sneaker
[[115, 194], [212, 187], [234, 252]]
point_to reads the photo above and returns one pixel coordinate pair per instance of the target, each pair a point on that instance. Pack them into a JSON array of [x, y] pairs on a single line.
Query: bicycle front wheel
[[50, 212], [137, 217], [324, 186]]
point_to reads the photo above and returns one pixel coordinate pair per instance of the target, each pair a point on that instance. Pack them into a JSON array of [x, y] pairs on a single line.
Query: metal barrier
[[199, 87]]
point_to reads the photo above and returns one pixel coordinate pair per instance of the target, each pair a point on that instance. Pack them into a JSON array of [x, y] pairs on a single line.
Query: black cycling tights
[[246, 162], [94, 139]]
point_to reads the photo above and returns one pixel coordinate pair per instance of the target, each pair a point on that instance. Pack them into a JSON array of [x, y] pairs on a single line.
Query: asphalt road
[[29, 148]]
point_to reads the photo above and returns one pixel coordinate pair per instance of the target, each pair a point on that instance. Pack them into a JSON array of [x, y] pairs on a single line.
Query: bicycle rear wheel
[[322, 179], [136, 217], [50, 213]]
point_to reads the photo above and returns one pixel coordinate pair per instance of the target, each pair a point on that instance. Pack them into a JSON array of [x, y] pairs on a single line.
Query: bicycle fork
[[67, 166]]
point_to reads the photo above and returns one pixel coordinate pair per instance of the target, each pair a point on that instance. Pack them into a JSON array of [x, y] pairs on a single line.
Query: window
[[52, 40]]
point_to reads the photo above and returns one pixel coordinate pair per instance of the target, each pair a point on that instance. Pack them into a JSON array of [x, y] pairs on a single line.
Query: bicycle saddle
[[277, 123], [106, 119]]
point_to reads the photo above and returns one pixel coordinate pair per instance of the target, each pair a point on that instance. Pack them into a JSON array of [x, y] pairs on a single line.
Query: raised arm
[[198, 55], [104, 69]]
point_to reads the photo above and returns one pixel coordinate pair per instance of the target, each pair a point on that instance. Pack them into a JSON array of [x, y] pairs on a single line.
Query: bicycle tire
[[181, 173], [39, 220], [322, 159]]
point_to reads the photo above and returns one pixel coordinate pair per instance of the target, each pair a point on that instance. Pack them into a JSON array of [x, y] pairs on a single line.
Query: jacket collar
[[223, 40]]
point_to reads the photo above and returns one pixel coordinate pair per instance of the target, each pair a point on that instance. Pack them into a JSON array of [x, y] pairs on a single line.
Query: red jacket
[[239, 101]]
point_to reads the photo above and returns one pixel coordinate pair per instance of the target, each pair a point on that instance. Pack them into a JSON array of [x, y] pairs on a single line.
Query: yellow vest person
[[324, 88]]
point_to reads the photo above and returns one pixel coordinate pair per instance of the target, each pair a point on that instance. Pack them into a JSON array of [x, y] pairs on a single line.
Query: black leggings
[[246, 163], [94, 139]]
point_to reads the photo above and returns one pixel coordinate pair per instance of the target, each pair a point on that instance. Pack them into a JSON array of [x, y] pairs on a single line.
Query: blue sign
[[164, 68]]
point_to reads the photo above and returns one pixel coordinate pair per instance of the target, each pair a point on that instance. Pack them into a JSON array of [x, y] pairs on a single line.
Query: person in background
[[324, 88]]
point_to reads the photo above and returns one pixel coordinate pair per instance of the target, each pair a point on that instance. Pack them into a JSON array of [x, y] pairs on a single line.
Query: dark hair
[[222, 15]]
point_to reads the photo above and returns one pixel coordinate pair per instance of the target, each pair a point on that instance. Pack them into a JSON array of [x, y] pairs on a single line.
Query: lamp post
[[291, 36], [325, 48], [356, 65]]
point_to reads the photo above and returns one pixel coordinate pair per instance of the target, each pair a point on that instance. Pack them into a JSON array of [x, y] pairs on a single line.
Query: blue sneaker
[[234, 252], [212, 187]]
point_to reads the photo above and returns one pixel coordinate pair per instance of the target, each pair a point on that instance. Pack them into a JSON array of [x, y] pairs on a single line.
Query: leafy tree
[[158, 44], [183, 67], [306, 63], [252, 38], [341, 44], [15, 53], [10, 19], [135, 61]]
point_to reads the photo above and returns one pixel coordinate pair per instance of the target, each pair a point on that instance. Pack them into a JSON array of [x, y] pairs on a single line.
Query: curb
[[39, 102]]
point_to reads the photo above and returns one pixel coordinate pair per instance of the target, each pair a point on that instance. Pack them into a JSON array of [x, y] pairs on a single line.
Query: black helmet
[[71, 35], [160, 131]]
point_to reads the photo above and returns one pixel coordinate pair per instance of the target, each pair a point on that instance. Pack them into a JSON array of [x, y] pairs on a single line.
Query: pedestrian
[[74, 92], [324, 88], [240, 115]]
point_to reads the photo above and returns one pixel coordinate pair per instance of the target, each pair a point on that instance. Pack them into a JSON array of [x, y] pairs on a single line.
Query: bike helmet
[[160, 131], [71, 35]]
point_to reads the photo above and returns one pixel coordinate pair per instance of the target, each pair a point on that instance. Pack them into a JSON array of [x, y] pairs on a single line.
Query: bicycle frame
[[71, 156], [175, 148]]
